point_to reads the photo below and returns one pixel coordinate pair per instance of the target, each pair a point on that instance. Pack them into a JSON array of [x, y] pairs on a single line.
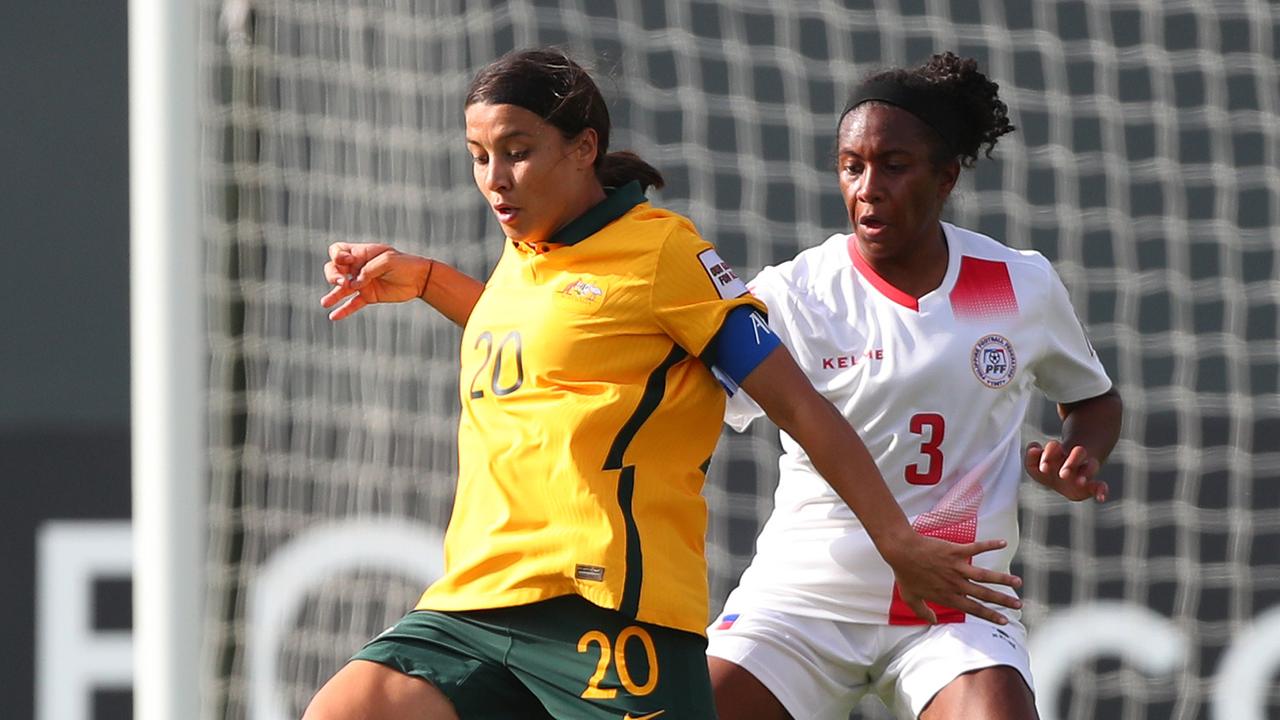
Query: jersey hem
[[529, 596], [801, 608]]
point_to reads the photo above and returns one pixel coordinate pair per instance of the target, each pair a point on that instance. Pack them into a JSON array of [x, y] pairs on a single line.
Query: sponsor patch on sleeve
[[725, 280]]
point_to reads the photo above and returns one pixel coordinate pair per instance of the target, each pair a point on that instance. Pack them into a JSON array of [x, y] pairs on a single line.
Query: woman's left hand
[[1070, 474]]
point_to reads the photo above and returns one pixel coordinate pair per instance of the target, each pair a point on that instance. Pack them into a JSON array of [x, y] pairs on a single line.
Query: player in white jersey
[[931, 340]]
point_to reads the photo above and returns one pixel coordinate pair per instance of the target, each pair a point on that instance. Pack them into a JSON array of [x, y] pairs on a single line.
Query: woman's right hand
[[942, 572], [370, 273]]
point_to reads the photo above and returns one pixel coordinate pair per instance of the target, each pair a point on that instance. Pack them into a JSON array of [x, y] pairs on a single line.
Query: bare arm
[[926, 568], [367, 273], [452, 292], [1090, 429]]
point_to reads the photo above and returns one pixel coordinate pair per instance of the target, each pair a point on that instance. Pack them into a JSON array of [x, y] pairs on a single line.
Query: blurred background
[[64, 410], [1145, 167]]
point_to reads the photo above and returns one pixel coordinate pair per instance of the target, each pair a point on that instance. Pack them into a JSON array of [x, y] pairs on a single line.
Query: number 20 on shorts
[[617, 652]]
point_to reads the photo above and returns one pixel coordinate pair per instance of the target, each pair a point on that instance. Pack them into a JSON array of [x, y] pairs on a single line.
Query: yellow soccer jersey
[[588, 420]]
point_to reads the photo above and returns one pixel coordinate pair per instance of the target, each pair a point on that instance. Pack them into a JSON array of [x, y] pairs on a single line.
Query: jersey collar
[[892, 293], [884, 286], [617, 202]]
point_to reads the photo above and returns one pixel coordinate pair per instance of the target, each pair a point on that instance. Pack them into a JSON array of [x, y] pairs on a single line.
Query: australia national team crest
[[993, 361], [584, 291]]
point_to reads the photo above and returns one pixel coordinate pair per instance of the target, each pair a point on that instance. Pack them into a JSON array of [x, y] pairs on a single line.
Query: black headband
[[935, 111]]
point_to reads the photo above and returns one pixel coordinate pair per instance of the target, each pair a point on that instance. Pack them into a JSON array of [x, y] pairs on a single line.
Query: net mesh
[[1145, 167]]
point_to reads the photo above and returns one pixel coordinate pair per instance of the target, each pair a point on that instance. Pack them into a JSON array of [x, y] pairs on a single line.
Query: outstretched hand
[[368, 273], [941, 572], [1071, 474]]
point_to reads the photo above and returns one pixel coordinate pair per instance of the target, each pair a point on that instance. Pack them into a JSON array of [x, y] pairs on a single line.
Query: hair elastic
[[923, 102]]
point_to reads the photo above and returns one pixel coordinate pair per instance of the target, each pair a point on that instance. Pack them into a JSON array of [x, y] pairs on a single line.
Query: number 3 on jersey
[[931, 427], [499, 384]]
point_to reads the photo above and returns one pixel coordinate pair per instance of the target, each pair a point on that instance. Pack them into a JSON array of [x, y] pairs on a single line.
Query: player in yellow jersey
[[591, 385]]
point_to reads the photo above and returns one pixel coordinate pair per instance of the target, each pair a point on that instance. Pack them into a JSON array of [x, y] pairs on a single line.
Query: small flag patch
[[726, 621]]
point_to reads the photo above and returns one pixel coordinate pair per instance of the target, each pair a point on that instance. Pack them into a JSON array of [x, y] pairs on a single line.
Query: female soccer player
[[575, 582], [930, 339]]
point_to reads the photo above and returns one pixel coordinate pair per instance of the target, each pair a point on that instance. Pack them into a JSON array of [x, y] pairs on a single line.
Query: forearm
[[834, 448], [451, 292], [923, 568], [840, 456], [1093, 424]]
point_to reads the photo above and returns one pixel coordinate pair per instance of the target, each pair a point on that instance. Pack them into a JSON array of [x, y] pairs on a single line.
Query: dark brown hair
[[950, 95], [549, 84]]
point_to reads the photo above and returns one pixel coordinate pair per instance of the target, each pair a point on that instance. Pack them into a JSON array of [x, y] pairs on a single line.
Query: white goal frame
[[167, 341]]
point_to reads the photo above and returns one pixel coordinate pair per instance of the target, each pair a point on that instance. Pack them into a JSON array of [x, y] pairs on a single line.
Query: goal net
[[1145, 166]]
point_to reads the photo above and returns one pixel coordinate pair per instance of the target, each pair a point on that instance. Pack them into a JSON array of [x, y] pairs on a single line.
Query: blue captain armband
[[743, 342]]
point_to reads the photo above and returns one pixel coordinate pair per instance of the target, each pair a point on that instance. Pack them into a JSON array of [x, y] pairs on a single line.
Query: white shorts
[[819, 669]]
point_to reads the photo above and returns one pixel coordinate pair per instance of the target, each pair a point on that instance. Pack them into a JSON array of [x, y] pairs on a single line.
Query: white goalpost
[[168, 357]]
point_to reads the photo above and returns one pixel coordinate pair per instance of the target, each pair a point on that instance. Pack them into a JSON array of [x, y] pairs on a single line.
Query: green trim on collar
[[617, 202]]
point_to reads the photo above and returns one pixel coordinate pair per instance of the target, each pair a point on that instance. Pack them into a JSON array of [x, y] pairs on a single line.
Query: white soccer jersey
[[936, 387]]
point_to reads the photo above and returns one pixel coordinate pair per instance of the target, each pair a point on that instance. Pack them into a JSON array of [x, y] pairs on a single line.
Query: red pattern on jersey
[[983, 290], [864, 268], [954, 519]]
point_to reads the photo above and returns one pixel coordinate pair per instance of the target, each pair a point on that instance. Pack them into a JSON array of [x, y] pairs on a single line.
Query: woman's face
[[892, 189], [534, 179]]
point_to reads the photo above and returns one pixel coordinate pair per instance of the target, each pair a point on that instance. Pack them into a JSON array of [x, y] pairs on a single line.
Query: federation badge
[[993, 361], [583, 290]]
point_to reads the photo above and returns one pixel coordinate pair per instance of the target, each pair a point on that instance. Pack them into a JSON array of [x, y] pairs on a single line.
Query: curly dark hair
[[975, 117]]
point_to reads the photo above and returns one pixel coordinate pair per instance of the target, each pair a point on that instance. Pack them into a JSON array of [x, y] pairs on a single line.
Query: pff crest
[[993, 361]]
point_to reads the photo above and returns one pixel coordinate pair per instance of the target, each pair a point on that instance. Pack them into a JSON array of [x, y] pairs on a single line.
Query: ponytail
[[619, 168]]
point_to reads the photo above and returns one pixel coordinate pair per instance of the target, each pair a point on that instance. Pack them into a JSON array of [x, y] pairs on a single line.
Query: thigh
[[810, 666], [587, 662], [740, 695], [956, 670], [458, 656], [364, 690]]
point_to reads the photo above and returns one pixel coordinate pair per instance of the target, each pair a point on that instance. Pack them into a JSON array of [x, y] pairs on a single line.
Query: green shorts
[[559, 658]]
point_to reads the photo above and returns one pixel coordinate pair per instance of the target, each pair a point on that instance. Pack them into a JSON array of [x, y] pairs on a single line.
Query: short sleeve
[[1069, 370], [694, 289], [771, 288]]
